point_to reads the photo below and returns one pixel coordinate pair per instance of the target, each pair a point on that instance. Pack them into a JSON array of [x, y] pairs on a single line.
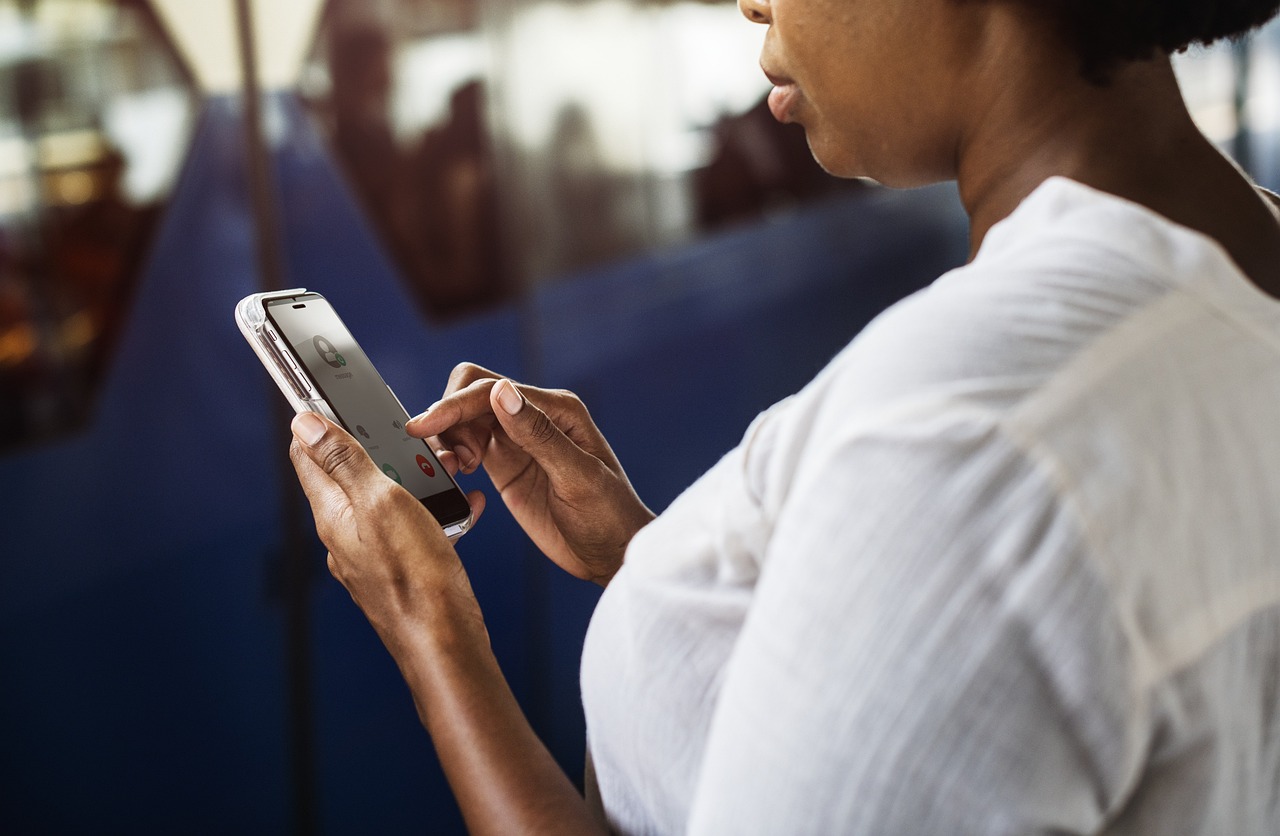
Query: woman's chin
[[833, 163], [842, 167], [837, 159], [893, 177]]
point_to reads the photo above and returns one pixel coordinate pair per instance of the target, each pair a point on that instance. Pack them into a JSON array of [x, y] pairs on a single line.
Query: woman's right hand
[[549, 462]]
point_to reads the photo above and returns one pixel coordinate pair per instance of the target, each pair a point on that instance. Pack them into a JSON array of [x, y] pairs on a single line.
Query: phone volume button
[[295, 375], [298, 376]]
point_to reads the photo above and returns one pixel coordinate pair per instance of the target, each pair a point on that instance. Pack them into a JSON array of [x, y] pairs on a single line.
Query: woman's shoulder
[[1069, 266]]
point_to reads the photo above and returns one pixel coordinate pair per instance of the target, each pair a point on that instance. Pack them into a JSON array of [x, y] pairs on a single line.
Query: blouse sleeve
[[930, 649]]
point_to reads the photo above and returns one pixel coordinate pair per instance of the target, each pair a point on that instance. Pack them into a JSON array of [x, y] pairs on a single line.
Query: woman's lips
[[783, 97], [782, 100]]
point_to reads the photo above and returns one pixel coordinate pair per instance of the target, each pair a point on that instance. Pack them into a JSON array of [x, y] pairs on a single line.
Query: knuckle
[[569, 401], [465, 373], [325, 531], [383, 499], [541, 430], [387, 494], [338, 456], [570, 405], [371, 500], [478, 389]]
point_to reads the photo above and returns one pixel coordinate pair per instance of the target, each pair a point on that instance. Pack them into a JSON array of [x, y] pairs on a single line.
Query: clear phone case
[[251, 316]]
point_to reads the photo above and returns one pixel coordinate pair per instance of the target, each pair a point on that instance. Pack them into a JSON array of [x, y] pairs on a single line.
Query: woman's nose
[[756, 11]]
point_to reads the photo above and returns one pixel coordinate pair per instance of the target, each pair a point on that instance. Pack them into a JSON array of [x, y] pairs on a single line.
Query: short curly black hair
[[1107, 33]]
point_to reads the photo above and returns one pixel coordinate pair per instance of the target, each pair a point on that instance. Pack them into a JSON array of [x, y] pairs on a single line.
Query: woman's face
[[879, 85]]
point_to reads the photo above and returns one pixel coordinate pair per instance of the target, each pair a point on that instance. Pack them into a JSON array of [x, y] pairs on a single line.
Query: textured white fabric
[[1009, 565]]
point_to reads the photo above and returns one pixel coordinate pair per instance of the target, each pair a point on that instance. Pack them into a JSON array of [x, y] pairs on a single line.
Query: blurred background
[[578, 193]]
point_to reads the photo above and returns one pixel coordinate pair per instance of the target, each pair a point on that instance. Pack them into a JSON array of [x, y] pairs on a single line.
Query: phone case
[[251, 316]]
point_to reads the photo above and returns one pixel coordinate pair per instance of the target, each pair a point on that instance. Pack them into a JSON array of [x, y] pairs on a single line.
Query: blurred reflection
[[602, 115], [586, 227], [360, 65], [500, 149], [456, 208], [94, 112], [760, 166], [428, 186]]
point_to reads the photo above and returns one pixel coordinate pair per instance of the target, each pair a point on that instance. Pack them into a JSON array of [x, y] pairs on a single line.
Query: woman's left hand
[[395, 560], [384, 546]]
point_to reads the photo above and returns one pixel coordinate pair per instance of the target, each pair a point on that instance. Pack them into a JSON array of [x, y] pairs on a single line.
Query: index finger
[[466, 404]]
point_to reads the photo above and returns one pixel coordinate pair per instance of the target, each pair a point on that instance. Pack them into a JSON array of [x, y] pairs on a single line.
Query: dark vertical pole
[[261, 189], [496, 19], [295, 565]]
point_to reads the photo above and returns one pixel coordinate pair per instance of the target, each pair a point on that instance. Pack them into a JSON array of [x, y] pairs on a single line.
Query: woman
[[1008, 565]]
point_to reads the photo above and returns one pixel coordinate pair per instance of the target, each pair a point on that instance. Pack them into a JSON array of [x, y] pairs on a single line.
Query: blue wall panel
[[142, 654]]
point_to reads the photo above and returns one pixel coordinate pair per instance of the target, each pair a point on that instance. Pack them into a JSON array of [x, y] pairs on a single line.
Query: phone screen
[[344, 376]]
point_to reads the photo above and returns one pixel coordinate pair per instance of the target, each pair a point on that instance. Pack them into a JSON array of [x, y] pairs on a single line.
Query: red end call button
[[425, 466]]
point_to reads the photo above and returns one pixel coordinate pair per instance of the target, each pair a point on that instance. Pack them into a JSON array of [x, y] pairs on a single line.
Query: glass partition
[[500, 144], [95, 113], [400, 89]]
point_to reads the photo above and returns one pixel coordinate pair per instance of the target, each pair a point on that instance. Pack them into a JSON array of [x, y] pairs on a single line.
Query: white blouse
[[1010, 564]]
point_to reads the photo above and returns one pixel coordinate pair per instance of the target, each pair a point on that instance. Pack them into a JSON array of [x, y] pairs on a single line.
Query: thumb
[[533, 431], [327, 457]]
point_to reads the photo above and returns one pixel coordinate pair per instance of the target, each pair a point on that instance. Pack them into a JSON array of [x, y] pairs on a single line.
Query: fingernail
[[465, 457], [508, 398], [308, 428]]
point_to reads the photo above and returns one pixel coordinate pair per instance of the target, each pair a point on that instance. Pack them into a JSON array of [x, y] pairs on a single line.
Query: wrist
[[442, 635], [434, 622], [642, 517]]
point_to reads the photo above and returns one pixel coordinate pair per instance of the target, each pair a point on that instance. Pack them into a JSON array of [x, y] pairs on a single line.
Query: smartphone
[[320, 368]]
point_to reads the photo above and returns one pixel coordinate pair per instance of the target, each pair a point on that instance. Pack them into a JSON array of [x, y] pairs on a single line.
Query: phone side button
[[298, 375]]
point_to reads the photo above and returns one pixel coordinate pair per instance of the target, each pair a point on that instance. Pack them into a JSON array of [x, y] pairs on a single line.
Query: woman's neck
[[1132, 138]]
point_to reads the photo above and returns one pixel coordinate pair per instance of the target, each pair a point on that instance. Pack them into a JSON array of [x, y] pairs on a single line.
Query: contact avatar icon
[[328, 353]]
